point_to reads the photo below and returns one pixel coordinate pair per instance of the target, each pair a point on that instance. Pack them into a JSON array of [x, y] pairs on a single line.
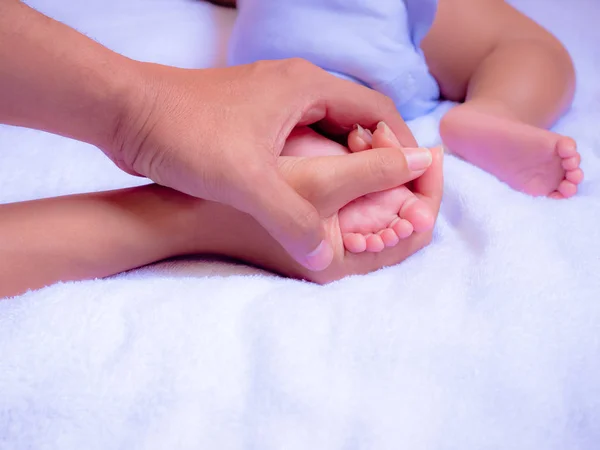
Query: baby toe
[[359, 139], [571, 163], [574, 176], [402, 227], [389, 237], [567, 189], [566, 147], [419, 214], [355, 242], [374, 243]]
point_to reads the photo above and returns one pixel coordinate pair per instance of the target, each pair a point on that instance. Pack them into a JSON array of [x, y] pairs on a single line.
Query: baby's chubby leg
[[515, 79]]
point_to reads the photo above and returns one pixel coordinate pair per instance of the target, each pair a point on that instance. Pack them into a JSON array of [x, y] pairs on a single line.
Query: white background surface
[[488, 339]]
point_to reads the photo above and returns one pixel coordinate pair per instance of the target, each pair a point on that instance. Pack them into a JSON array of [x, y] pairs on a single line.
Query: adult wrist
[[124, 98], [135, 93]]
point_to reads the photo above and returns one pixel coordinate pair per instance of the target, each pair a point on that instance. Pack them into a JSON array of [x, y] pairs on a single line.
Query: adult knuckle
[[295, 67], [242, 174], [389, 106], [301, 64], [385, 105], [252, 170]]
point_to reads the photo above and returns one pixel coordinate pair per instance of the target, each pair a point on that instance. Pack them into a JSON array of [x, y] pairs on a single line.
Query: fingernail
[[321, 257], [418, 158], [364, 134], [388, 133]]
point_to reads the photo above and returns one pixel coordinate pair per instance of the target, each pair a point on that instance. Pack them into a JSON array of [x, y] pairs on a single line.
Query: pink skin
[[529, 159], [378, 220]]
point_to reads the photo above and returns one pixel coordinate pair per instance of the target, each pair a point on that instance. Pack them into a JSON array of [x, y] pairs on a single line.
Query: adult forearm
[[55, 79]]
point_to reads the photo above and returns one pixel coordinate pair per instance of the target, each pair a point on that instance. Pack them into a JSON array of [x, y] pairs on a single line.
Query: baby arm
[[96, 235], [87, 236]]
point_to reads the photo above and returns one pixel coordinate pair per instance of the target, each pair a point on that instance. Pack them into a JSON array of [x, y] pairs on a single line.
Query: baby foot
[[532, 160], [378, 220]]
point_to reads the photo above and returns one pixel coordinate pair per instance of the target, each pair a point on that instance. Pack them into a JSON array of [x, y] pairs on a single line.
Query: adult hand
[[329, 194], [217, 134], [323, 181], [214, 133]]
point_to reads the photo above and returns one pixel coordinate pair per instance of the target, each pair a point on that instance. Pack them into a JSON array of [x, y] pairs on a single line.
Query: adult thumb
[[291, 220], [331, 182]]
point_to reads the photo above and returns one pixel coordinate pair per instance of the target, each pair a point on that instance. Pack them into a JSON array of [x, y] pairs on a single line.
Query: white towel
[[487, 339]]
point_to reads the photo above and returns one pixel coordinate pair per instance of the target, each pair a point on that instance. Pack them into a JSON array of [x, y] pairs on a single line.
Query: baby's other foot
[[378, 220], [532, 160]]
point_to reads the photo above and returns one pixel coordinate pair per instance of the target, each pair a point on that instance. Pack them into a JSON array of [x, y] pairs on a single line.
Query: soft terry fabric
[[487, 340], [368, 41]]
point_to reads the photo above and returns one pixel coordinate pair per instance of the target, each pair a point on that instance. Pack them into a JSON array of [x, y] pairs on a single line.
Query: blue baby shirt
[[373, 42]]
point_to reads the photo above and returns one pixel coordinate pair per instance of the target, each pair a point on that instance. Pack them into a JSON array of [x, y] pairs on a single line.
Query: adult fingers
[[339, 104], [330, 182], [288, 217], [430, 186]]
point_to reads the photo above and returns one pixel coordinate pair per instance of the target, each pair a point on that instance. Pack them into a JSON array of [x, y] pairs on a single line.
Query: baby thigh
[[487, 48]]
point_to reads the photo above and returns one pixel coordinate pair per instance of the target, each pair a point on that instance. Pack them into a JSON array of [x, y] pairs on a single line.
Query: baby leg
[[515, 79]]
